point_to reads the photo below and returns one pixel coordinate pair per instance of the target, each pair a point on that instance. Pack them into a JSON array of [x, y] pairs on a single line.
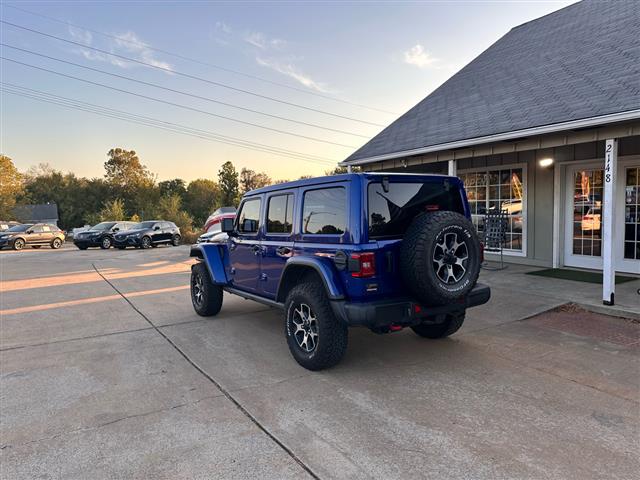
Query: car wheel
[[175, 241], [36, 246], [56, 243], [145, 242], [206, 297], [316, 338], [105, 244], [18, 244], [450, 326]]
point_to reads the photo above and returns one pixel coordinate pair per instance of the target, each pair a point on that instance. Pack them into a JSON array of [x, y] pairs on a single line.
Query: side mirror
[[116, 229], [29, 232], [227, 225], [157, 227]]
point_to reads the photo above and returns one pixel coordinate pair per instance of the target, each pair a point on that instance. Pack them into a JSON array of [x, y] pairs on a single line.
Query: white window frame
[[525, 216]]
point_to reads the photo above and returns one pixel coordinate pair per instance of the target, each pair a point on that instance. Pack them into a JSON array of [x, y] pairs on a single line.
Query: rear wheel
[[206, 297], [18, 244], [316, 338], [145, 242], [105, 244], [175, 241], [450, 326], [56, 243]]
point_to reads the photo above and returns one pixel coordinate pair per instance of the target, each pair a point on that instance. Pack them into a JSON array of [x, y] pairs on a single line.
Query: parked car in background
[[100, 235], [148, 234], [4, 226], [213, 222], [34, 235]]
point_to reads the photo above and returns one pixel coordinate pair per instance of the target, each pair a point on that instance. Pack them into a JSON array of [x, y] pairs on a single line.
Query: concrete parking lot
[[106, 372]]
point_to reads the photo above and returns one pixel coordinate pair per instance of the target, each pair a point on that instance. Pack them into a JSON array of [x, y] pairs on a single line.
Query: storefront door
[[584, 221]]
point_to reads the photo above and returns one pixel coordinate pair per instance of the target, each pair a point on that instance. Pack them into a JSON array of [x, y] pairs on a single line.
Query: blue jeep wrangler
[[383, 251]]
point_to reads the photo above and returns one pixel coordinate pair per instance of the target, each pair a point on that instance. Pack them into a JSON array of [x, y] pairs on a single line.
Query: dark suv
[[35, 235], [148, 234], [100, 235], [383, 251]]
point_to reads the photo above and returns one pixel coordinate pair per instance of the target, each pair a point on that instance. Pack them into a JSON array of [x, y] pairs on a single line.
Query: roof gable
[[580, 62]]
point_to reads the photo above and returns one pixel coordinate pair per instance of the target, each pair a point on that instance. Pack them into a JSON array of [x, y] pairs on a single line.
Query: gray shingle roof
[[580, 62]]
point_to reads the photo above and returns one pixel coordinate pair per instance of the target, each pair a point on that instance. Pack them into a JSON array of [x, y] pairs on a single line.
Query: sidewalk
[[586, 295]]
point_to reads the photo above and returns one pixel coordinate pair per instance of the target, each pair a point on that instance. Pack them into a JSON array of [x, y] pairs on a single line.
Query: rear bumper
[[404, 312]]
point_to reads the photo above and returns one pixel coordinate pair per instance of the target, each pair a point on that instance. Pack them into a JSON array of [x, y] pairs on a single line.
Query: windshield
[[142, 225], [103, 226], [20, 228]]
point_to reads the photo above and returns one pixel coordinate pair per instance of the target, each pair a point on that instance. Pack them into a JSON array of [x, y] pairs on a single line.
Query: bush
[[190, 237]]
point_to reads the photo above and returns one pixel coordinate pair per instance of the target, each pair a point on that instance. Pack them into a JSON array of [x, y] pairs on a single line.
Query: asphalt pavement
[[106, 372]]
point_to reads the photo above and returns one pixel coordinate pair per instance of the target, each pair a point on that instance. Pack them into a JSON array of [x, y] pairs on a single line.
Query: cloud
[[290, 70], [419, 57], [126, 44], [223, 27], [261, 41]]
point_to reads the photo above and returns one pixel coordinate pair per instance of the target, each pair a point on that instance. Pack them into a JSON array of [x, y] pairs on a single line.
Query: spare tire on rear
[[440, 257]]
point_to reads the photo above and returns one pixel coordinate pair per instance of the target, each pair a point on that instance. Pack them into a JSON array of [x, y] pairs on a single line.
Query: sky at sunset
[[291, 87]]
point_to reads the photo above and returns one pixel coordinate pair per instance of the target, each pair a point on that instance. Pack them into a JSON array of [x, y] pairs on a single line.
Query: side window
[[249, 218], [324, 211], [46, 228], [280, 214], [37, 229]]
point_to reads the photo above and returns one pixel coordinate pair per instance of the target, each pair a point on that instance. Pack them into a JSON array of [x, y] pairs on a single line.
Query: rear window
[[324, 211], [391, 213]]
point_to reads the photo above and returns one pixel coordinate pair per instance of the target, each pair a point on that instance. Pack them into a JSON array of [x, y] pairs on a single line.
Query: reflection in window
[[249, 218], [588, 192], [324, 211], [632, 214], [280, 214], [494, 190]]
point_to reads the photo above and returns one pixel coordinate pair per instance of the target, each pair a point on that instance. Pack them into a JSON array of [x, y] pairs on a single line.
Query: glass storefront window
[[588, 192], [632, 214], [498, 189]]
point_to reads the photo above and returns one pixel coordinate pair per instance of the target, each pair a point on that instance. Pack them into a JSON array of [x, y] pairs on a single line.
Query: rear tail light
[[365, 265]]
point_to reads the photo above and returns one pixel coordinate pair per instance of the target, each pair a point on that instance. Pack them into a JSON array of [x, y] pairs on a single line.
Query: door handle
[[283, 251]]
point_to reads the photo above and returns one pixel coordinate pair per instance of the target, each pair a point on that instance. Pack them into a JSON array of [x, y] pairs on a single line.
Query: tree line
[[127, 191]]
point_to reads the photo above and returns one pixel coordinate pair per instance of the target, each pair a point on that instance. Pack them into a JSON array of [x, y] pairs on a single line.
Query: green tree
[[250, 180], [113, 210], [131, 181], [228, 182], [201, 198], [10, 187], [176, 186], [170, 208]]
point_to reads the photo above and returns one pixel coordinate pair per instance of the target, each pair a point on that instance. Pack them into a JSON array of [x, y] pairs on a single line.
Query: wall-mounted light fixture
[[545, 162]]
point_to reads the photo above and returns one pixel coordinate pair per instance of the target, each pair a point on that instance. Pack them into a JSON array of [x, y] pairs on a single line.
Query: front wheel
[[175, 241], [316, 338], [206, 297], [56, 243], [18, 244], [105, 244], [450, 326]]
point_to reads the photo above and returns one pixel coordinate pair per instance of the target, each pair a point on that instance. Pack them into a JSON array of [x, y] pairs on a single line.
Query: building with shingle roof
[[544, 126]]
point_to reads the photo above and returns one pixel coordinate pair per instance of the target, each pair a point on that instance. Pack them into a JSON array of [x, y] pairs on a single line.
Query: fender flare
[[324, 270], [215, 257]]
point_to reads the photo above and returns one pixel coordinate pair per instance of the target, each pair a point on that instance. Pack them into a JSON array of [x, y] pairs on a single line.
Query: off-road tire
[[450, 326], [332, 334], [175, 241], [145, 242], [105, 243], [56, 243], [209, 302], [422, 242], [18, 244]]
